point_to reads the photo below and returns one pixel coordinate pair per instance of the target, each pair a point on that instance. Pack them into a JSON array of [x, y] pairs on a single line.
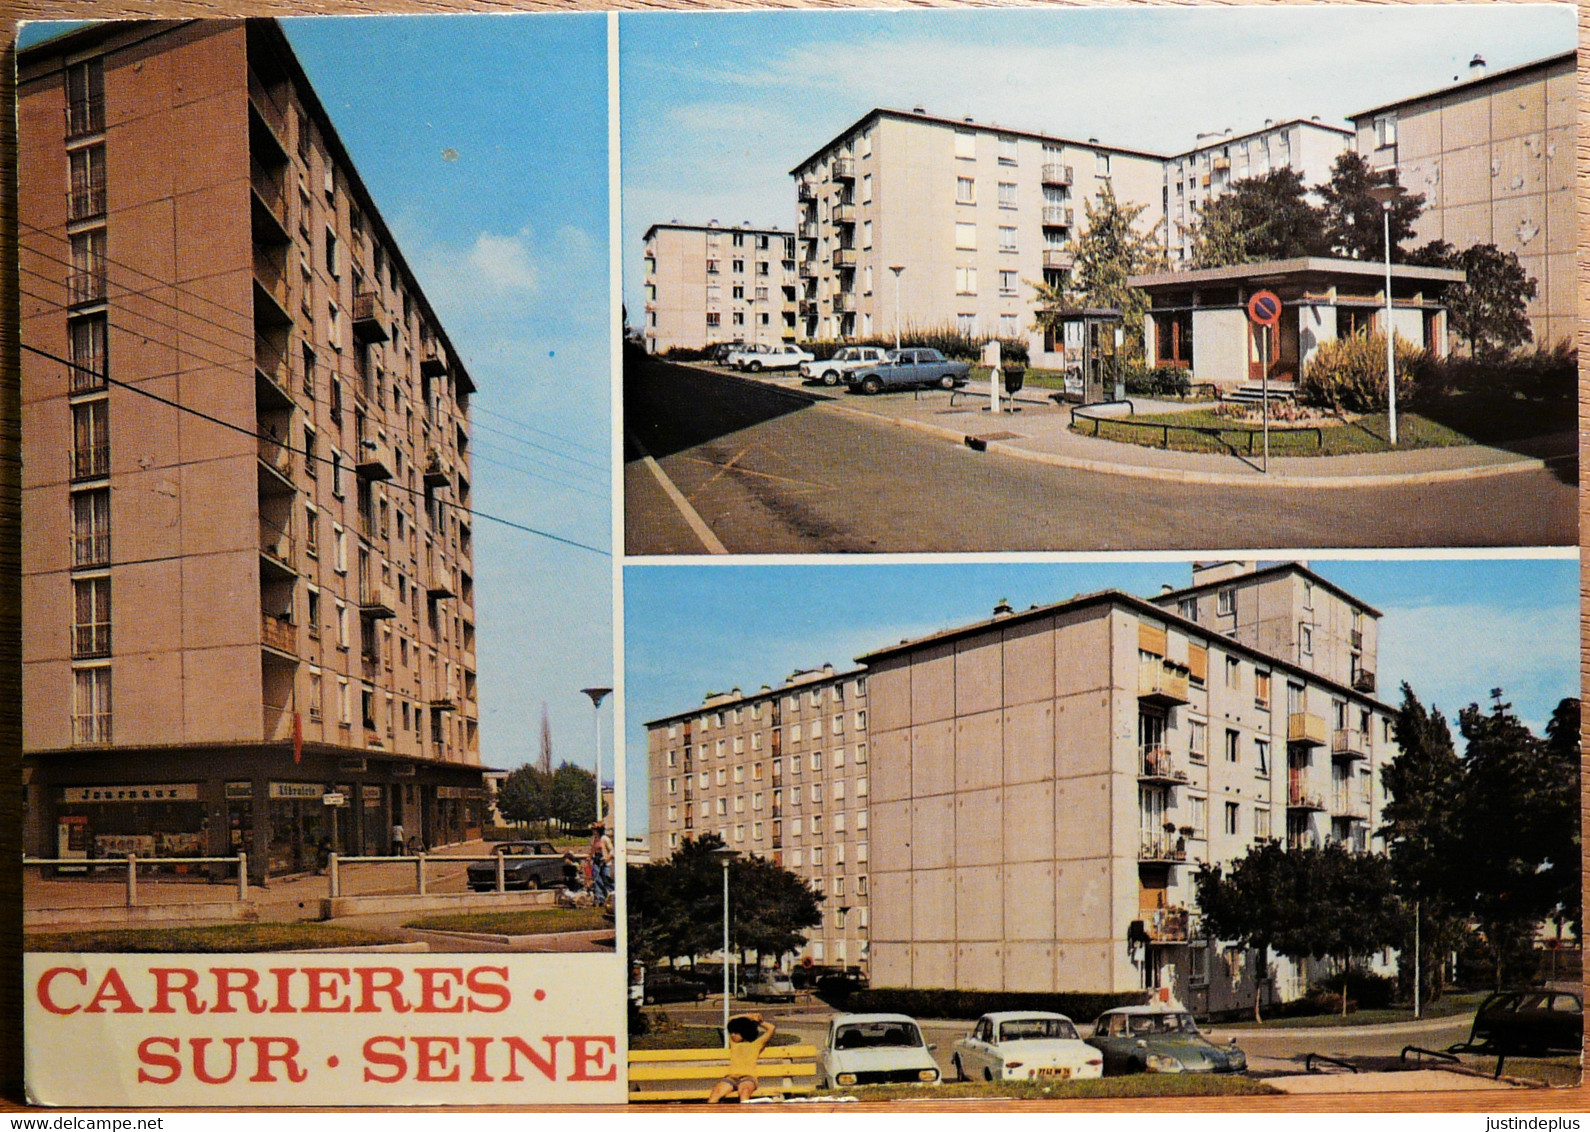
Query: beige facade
[[971, 212], [1494, 157], [785, 774], [1208, 170], [197, 593], [709, 284], [1045, 782]]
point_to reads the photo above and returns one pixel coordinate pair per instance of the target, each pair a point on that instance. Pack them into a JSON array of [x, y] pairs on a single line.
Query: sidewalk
[[1041, 432]]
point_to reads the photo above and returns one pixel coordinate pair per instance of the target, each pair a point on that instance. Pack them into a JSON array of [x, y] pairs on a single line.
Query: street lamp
[[898, 269], [597, 696], [725, 857], [1385, 195]]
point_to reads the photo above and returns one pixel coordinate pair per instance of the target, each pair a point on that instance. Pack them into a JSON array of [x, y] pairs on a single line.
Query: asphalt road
[[770, 474]]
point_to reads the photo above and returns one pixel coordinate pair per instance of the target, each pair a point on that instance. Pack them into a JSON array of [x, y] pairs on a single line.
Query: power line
[[475, 451], [542, 447], [391, 486], [591, 448]]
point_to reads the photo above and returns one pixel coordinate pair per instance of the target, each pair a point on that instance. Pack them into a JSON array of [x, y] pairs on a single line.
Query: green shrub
[[1164, 381], [1081, 1007], [1365, 991], [687, 353], [1541, 373], [945, 339], [1350, 373]]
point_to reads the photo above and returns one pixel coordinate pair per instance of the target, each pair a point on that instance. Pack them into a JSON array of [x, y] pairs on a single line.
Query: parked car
[[1158, 1039], [525, 864], [875, 1049], [835, 369], [720, 353], [1530, 1022], [908, 369], [1023, 1046], [759, 357], [671, 986], [765, 985]]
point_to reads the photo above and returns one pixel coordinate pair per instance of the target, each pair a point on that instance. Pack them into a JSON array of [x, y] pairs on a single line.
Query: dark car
[[908, 369], [670, 986], [1154, 1039], [1530, 1022], [525, 865]]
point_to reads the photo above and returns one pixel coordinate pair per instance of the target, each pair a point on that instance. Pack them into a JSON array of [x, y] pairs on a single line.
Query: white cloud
[[504, 263]]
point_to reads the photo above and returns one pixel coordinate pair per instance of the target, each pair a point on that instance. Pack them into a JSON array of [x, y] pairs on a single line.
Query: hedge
[[1079, 1006], [945, 339]]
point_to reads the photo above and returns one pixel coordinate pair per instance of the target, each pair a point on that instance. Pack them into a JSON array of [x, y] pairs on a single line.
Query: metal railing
[[92, 730], [278, 633], [85, 202], [91, 549], [1167, 925], [85, 377], [1217, 434], [1161, 847], [1055, 173], [84, 116], [1157, 762], [86, 285], [132, 861], [92, 640], [91, 461], [1059, 215], [1299, 797]]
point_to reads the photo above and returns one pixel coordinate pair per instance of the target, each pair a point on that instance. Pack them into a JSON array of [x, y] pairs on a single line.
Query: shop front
[[151, 820]]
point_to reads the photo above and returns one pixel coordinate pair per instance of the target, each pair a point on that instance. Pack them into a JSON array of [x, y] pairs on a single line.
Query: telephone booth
[[1085, 343]]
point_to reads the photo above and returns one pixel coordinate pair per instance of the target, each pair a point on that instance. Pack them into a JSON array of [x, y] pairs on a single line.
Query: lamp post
[[899, 270], [725, 857], [597, 696], [1385, 195]]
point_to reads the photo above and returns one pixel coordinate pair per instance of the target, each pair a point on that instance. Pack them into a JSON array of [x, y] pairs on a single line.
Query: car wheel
[[871, 386], [532, 884], [831, 378], [947, 382], [755, 367], [988, 1074]]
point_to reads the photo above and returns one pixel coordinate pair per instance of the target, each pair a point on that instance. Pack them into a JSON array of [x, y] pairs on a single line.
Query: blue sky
[[717, 107], [483, 140], [1453, 629]]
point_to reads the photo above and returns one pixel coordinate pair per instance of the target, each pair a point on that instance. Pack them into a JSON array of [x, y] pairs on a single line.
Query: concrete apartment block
[[225, 624], [1046, 781], [972, 211], [783, 773], [1207, 171], [707, 284], [1493, 155]]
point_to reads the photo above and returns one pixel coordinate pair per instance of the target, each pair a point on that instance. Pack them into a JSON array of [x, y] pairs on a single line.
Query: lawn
[[527, 921], [1136, 1085], [1367, 434], [205, 940], [1447, 1006]]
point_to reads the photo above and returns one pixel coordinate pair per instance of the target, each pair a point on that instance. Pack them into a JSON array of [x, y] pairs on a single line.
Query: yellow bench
[[784, 1071]]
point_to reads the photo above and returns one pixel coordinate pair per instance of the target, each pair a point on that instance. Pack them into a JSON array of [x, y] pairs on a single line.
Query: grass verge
[[214, 939], [1447, 1006], [529, 921], [1366, 435], [1137, 1085]]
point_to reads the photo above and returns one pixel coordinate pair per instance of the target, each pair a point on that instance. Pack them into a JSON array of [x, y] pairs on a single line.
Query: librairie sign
[[324, 1028]]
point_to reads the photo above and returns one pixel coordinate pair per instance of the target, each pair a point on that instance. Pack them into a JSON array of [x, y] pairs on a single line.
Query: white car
[[875, 1049], [1025, 1046], [759, 357], [832, 370]]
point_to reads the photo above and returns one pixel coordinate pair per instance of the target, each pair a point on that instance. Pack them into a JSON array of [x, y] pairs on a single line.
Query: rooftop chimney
[[1003, 608], [1477, 67], [918, 110]]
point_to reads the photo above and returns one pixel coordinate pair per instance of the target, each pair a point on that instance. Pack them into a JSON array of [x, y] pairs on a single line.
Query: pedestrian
[[601, 862], [399, 843], [748, 1036]]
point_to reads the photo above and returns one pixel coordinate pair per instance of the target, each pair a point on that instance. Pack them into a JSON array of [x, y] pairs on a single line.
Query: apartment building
[[709, 284], [911, 220], [1206, 172], [248, 581], [1493, 155], [782, 773], [1046, 781]]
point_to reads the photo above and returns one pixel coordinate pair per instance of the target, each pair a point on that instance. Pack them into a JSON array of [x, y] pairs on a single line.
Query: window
[[85, 98], [1261, 689], [311, 531], [1308, 594], [1173, 339], [1101, 165], [1305, 639], [966, 237], [91, 527], [965, 190], [1008, 325], [1226, 603], [739, 803], [739, 833], [738, 266], [966, 324], [861, 792], [1007, 239], [87, 197], [794, 733], [1233, 672], [1233, 746], [312, 612], [1197, 814], [344, 704], [1385, 130], [88, 267], [966, 280], [839, 790], [90, 440], [90, 618], [1197, 740], [817, 761], [87, 349], [1007, 194], [817, 729], [739, 773], [1231, 817], [1261, 756], [965, 143], [817, 854], [866, 188], [339, 548], [866, 237], [340, 613], [333, 260]]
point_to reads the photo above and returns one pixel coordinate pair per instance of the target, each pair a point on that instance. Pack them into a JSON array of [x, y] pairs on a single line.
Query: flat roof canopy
[[1305, 271]]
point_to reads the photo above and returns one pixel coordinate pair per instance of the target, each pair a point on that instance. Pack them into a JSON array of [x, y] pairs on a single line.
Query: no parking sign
[[1264, 308]]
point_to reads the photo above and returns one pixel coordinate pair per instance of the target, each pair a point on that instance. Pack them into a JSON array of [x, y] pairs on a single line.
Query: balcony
[[368, 317], [433, 363], [1349, 743], [844, 302], [377, 600], [1305, 729], [1300, 797], [1364, 681], [440, 584], [1161, 848], [277, 546], [85, 202], [1056, 260], [374, 461], [84, 116], [86, 286], [807, 230], [805, 190], [1054, 173], [1346, 803], [808, 308], [844, 214], [91, 641], [91, 730], [272, 114], [87, 376], [1167, 926], [92, 549], [845, 257], [438, 472], [1356, 636], [843, 169], [1156, 766], [1163, 684], [1058, 216], [91, 461], [278, 633], [268, 216], [277, 457]]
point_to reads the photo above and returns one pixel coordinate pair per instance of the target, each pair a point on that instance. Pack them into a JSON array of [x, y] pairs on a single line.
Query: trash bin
[[1015, 378]]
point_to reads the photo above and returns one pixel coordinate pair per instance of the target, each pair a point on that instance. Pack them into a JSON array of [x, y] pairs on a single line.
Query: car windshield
[[894, 356], [877, 1035], [1035, 1029], [1162, 1024]]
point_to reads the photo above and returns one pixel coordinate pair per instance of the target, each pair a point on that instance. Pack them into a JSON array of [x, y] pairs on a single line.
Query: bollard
[[132, 880], [333, 880], [242, 876], [419, 873], [502, 884]]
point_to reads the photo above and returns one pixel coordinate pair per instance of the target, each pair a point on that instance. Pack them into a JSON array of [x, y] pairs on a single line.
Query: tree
[[1250, 904], [1343, 906], [1490, 309], [525, 796], [1261, 218], [676, 904], [1110, 248], [573, 795], [1559, 812], [1354, 228], [770, 907]]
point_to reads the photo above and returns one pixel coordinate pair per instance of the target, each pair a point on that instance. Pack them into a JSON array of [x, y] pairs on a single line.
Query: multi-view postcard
[[962, 559]]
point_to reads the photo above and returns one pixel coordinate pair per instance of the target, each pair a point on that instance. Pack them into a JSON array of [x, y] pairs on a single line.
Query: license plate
[[1054, 1071]]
